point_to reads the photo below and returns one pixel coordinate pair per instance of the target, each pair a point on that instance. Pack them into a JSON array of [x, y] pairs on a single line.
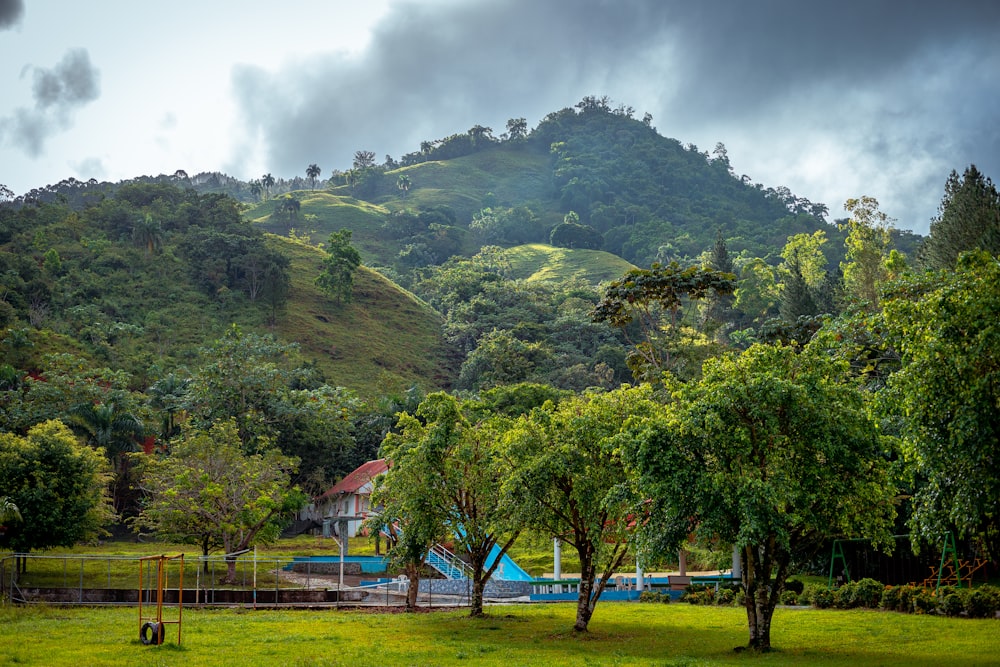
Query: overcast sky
[[831, 99]]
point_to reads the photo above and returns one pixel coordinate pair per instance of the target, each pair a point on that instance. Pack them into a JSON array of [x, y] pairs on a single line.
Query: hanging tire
[[151, 633]]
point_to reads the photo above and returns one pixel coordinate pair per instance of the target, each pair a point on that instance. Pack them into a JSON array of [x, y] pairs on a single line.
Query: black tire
[[151, 633]]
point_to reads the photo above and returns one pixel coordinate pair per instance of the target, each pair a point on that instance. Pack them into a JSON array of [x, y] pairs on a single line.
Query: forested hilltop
[[292, 322]]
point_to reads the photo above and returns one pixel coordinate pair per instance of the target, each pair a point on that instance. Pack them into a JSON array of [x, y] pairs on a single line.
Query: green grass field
[[621, 634]]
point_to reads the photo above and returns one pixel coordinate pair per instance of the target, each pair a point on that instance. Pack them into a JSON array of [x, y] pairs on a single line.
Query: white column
[[737, 568], [557, 561], [639, 583]]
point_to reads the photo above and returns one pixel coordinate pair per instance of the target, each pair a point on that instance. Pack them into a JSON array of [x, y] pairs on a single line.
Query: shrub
[[821, 598], [739, 598], [907, 593], [843, 597], [890, 598], [726, 595], [789, 597], [952, 603], [982, 602], [868, 593], [924, 602], [706, 596], [654, 596]]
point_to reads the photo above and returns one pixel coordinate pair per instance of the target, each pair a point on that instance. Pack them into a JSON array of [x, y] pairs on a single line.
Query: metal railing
[[106, 580]]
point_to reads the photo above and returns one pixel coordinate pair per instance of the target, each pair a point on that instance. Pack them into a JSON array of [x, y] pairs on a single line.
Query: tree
[[446, 463], [652, 299], [946, 393], [169, 394], [364, 160], [403, 183], [9, 512], [517, 129], [267, 182], [567, 476], [312, 173], [968, 218], [148, 233], [208, 492], [868, 239], [772, 451], [115, 430], [58, 485], [243, 377], [342, 260]]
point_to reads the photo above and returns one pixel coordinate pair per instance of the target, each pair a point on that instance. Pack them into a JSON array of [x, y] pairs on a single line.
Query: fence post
[[82, 561]]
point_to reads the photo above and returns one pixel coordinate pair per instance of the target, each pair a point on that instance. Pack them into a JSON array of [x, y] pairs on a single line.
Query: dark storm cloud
[[886, 81], [10, 13], [58, 93]]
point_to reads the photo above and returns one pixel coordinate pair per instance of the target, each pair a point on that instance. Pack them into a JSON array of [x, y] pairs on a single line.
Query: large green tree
[[968, 218], [868, 244], [946, 396], [567, 478], [453, 448], [651, 301], [339, 266], [209, 492], [772, 451], [58, 486]]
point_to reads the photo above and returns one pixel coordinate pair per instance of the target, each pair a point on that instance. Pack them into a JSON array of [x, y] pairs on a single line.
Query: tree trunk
[[476, 604], [204, 552], [230, 571], [584, 604], [413, 574], [584, 610]]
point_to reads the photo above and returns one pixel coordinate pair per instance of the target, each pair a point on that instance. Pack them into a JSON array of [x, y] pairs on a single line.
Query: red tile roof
[[358, 478]]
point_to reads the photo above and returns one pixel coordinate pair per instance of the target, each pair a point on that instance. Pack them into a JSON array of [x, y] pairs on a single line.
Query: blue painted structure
[[369, 564]]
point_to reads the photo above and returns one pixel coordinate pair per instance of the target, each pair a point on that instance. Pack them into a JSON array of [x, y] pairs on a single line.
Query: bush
[[924, 602], [904, 598], [789, 597], [739, 598], [821, 598], [890, 598], [726, 595], [706, 596], [952, 603], [654, 596], [843, 597], [868, 594], [982, 602]]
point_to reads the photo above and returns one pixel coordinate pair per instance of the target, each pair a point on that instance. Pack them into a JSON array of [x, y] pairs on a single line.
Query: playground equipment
[[849, 561], [152, 627]]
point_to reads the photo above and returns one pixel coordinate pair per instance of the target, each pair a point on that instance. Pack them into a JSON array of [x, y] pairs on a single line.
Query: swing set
[[152, 626], [902, 567]]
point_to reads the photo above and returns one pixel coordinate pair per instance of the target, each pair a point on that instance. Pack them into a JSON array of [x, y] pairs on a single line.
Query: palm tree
[[256, 189], [267, 180], [403, 183], [148, 233], [313, 171], [8, 510], [168, 394], [117, 431]]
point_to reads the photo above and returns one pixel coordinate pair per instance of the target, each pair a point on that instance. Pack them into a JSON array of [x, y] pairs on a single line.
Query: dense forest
[[304, 315]]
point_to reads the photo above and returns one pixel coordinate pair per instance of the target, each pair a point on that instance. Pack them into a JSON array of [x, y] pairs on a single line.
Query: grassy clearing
[[537, 261], [621, 634], [401, 343]]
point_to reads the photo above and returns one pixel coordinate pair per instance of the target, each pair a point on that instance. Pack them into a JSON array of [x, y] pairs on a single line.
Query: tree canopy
[[59, 487], [772, 451]]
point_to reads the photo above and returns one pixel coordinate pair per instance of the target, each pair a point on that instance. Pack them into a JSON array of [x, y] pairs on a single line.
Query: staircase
[[447, 563]]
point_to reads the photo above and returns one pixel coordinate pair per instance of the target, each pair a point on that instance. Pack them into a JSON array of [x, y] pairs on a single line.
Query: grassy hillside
[[384, 340], [538, 261]]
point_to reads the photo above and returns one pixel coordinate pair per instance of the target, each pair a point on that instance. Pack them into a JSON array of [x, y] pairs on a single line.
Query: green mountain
[[139, 275]]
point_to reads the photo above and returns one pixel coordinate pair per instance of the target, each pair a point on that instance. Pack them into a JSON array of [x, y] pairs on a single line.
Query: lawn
[[621, 634]]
